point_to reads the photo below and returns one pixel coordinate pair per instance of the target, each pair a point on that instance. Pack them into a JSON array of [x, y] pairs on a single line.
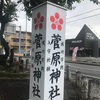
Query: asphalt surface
[[85, 60], [86, 70], [88, 66]]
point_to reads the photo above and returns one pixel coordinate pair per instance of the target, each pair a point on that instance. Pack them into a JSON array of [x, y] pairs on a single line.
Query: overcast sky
[[85, 13], [22, 19]]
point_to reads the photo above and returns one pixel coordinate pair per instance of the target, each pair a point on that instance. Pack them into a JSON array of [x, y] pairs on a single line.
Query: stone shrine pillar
[[48, 52]]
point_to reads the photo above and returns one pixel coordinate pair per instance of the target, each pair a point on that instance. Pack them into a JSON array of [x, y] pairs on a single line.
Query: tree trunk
[[11, 56], [6, 48], [4, 44]]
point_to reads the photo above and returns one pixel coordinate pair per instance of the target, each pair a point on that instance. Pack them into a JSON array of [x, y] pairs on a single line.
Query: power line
[[83, 13], [81, 4], [83, 18], [18, 6]]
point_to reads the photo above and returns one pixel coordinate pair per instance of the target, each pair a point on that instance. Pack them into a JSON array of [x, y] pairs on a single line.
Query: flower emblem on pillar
[[38, 21], [56, 22]]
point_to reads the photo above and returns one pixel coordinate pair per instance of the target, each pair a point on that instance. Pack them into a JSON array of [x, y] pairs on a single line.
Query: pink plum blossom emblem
[[56, 22], [38, 21]]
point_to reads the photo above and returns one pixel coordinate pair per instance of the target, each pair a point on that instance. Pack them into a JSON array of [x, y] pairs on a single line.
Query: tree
[[29, 4], [96, 1], [7, 14]]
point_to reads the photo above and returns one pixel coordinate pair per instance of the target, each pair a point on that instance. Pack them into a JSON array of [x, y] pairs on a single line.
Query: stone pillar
[[48, 52], [84, 86], [78, 78], [67, 72]]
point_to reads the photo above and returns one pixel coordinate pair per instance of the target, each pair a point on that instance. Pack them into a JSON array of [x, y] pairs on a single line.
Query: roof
[[87, 33], [97, 34]]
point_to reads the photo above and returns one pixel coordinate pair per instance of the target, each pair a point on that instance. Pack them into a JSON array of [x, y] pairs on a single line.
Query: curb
[[85, 62]]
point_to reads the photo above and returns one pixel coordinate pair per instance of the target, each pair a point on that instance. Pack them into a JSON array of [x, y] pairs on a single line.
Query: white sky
[[22, 19], [72, 28]]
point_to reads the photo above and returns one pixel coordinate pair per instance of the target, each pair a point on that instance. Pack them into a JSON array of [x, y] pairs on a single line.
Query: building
[[87, 41], [18, 40]]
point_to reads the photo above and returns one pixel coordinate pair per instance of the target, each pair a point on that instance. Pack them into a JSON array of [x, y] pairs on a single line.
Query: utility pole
[[26, 38], [19, 39]]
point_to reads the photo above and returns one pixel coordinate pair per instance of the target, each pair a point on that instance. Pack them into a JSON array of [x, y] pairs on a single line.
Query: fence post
[[78, 78], [67, 72]]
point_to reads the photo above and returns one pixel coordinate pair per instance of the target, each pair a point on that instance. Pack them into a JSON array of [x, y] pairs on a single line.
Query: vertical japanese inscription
[[37, 74], [38, 39], [55, 41], [36, 90], [55, 75], [54, 92], [38, 67], [55, 62], [55, 58], [37, 59]]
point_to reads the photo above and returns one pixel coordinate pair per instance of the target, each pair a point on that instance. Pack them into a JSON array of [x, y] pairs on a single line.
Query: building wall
[[95, 49], [11, 28], [19, 40], [87, 42]]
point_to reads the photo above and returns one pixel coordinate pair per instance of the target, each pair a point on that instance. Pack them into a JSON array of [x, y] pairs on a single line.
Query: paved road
[[88, 59], [88, 70]]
